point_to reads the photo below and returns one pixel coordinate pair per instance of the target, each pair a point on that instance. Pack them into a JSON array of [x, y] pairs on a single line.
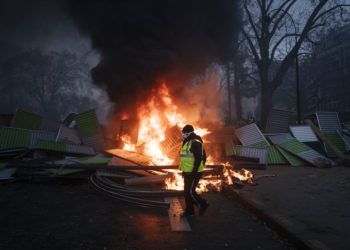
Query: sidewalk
[[308, 205]]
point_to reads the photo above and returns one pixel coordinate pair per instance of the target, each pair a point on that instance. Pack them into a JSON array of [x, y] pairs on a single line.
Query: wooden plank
[[176, 222], [338, 153], [147, 179], [121, 161], [131, 156]]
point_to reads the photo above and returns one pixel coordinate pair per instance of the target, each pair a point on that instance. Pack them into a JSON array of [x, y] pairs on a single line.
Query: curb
[[274, 222]]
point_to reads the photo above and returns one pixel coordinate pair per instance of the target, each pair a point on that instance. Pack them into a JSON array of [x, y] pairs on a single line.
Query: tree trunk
[[265, 92], [237, 92], [266, 104]]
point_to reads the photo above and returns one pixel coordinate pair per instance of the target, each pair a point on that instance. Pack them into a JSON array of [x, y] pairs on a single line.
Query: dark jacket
[[196, 149]]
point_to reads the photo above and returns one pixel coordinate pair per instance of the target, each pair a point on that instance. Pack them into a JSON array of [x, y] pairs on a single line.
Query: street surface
[[311, 203], [70, 215]]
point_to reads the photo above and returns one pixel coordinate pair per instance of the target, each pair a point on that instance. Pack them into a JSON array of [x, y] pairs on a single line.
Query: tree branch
[[279, 19], [315, 26], [329, 10], [280, 9], [250, 19], [260, 4], [273, 51], [269, 5], [290, 56], [251, 46], [256, 81]]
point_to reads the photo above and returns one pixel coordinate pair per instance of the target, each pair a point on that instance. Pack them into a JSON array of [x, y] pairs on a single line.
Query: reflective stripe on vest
[[187, 157]]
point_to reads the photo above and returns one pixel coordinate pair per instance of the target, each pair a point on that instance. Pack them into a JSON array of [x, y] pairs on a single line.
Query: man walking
[[192, 161]]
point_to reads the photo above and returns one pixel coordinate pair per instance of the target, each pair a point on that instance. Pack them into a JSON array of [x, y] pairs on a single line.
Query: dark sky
[[38, 24], [136, 43]]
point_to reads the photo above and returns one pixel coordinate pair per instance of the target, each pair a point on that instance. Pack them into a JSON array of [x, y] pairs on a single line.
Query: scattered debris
[[251, 136], [299, 149], [329, 124], [327, 142], [255, 153], [31, 145], [305, 134]]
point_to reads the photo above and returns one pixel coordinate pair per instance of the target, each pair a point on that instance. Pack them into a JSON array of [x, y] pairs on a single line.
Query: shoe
[[186, 214], [203, 208]]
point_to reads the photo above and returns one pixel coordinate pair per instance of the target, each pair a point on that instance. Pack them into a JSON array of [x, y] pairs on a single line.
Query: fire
[[155, 117], [127, 143], [243, 175]]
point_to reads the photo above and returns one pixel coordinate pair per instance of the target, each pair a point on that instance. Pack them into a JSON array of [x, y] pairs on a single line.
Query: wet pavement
[[69, 215], [309, 203]]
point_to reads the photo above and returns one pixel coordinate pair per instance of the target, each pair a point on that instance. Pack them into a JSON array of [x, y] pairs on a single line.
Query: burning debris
[[159, 137], [146, 167]]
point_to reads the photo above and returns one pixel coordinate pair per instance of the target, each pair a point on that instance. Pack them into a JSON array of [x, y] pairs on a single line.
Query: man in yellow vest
[[192, 161]]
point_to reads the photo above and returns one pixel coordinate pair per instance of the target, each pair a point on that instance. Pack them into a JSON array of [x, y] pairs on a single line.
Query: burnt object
[[172, 143]]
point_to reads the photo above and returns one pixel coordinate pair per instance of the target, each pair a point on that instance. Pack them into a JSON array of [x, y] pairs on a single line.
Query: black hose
[[139, 193], [133, 200]]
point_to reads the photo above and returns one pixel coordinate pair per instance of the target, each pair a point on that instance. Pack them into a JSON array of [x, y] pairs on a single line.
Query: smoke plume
[[144, 43]]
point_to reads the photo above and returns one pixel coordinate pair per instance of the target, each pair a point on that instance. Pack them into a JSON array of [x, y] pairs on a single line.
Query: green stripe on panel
[[51, 145], [260, 144], [94, 160], [237, 150], [275, 157], [27, 120], [292, 159], [295, 146], [87, 123], [14, 138], [337, 141], [229, 149], [64, 171]]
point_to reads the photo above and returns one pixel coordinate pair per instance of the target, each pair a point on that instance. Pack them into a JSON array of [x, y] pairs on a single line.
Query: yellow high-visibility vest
[[187, 157]]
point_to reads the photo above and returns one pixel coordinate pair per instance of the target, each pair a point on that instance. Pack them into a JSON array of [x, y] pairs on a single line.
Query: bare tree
[[269, 28], [45, 83]]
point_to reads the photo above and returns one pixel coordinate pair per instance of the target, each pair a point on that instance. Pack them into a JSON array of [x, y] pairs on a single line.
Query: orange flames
[[155, 117]]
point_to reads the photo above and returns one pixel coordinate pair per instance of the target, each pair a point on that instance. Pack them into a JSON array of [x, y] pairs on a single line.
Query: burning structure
[[159, 136]]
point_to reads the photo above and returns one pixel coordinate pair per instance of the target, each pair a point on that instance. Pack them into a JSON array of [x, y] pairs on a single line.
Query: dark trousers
[[191, 197]]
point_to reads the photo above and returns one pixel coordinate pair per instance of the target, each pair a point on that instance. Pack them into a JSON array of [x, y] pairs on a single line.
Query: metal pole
[[297, 87]]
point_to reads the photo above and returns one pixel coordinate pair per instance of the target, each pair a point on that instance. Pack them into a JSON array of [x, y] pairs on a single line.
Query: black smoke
[[145, 42]]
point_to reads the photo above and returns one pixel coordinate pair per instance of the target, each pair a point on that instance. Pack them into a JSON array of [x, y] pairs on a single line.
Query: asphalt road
[[70, 215], [311, 203]]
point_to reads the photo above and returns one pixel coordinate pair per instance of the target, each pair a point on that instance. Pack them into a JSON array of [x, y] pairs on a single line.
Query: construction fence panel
[[328, 122], [303, 133], [250, 135], [278, 121], [14, 138], [68, 134], [300, 150], [258, 153], [26, 120]]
